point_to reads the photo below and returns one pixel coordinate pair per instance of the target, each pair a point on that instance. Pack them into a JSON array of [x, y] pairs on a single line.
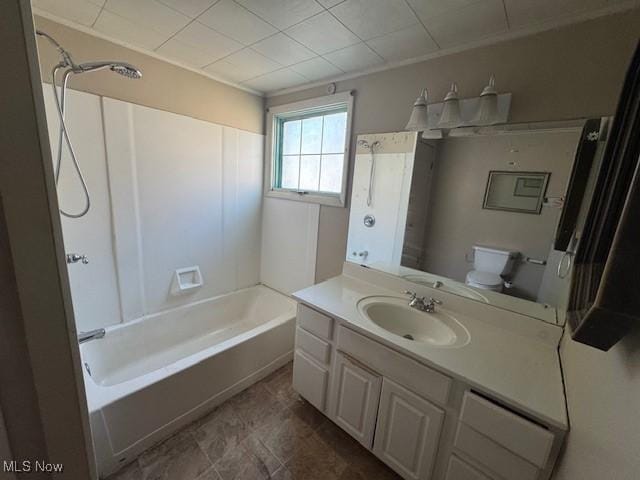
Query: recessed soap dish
[[186, 279]]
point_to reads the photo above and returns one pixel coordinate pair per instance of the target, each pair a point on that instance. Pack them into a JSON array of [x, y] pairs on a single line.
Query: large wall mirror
[[476, 213]]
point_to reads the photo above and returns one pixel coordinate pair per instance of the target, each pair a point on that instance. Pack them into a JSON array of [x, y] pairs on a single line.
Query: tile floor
[[264, 432]]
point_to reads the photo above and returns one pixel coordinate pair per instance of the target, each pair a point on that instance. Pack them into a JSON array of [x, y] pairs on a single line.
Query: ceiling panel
[[207, 40], [80, 11], [128, 31], [185, 53], [355, 57], [237, 22], [432, 8], [243, 65], [409, 42], [283, 49], [471, 23], [276, 80], [372, 18], [316, 69], [191, 8], [329, 3], [528, 12], [322, 33], [150, 13], [283, 13]]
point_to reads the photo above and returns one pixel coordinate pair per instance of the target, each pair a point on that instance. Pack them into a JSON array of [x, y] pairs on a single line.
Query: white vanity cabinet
[[421, 422], [407, 431], [355, 397]]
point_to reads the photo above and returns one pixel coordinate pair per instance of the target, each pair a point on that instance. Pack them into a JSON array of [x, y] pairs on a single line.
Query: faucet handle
[[435, 301], [411, 294]]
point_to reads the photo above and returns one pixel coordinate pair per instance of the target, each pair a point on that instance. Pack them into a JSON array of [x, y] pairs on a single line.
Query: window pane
[[331, 173], [335, 127], [291, 137], [309, 172], [311, 135], [290, 171]]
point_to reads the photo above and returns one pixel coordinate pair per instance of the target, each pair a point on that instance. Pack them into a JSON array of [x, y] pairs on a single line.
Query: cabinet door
[[407, 432], [310, 380], [356, 392]]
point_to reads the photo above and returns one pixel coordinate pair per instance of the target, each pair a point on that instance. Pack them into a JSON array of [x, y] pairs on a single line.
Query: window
[[308, 154]]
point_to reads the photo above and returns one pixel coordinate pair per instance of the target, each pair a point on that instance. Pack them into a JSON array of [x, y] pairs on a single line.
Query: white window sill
[[336, 200]]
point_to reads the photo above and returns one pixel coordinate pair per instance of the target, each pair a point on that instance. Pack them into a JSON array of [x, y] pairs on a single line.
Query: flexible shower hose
[[60, 101]]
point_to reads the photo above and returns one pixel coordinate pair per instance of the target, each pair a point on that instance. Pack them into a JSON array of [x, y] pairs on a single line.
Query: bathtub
[[148, 378]]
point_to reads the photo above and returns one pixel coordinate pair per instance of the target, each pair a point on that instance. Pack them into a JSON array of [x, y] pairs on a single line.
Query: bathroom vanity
[[469, 392]]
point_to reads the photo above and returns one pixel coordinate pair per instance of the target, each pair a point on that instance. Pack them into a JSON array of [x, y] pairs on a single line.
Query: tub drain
[[408, 336]]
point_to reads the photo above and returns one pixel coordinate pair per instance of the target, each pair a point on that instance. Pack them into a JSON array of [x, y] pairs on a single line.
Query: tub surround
[[511, 361]]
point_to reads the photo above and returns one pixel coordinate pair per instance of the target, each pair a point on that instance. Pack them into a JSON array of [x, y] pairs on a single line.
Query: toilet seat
[[485, 280]]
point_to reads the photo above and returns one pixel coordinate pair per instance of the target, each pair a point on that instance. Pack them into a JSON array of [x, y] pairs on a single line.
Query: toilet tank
[[493, 260]]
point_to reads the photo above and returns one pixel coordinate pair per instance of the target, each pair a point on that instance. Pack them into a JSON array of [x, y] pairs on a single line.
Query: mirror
[[474, 213]]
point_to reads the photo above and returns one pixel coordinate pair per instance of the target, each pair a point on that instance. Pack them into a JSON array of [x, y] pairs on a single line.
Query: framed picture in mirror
[[511, 191]]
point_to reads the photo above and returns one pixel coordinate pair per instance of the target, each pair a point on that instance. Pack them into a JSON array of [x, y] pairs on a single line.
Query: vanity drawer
[[416, 377], [310, 380], [523, 437], [493, 456], [460, 470], [312, 345], [315, 322]]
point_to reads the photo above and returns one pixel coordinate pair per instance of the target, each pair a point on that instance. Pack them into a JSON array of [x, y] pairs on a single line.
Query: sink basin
[[394, 315]]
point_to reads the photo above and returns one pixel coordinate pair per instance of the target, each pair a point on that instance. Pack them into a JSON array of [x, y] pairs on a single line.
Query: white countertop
[[513, 366]]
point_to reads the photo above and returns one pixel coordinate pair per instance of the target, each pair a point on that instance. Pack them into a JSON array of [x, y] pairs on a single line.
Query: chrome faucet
[[421, 303], [91, 335]]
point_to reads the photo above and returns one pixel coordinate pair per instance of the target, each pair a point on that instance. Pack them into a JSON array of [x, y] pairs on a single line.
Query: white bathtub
[[154, 375]]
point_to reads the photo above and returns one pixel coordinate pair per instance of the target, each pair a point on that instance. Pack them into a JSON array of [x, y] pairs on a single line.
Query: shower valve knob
[[75, 258]]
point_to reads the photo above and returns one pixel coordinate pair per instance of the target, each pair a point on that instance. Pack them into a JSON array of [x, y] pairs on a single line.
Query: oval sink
[[394, 315]]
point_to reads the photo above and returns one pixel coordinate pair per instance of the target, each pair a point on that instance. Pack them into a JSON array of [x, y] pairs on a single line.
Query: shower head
[[121, 68]]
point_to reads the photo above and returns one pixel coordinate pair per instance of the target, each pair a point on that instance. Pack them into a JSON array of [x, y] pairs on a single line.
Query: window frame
[[305, 108]]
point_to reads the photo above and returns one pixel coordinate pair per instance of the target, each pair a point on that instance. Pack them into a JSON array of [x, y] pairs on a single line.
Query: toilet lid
[[485, 278]]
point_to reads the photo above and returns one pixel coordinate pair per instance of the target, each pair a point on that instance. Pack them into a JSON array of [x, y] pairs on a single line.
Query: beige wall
[[457, 220], [163, 86], [566, 73], [603, 389]]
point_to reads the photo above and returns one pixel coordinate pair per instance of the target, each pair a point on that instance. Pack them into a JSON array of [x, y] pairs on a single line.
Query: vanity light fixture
[[450, 116], [488, 109], [419, 120]]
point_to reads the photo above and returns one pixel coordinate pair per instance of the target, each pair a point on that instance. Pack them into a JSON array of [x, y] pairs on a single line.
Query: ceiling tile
[[406, 43], [236, 22], [128, 31], [283, 49], [243, 65], [355, 57], [151, 14], [473, 22], [432, 8], [207, 40], [276, 80], [282, 13], [80, 11], [323, 33], [185, 53], [372, 18], [530, 12], [329, 3], [191, 8], [316, 69]]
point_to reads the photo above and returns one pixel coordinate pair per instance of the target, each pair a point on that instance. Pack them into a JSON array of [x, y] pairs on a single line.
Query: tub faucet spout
[[91, 335]]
